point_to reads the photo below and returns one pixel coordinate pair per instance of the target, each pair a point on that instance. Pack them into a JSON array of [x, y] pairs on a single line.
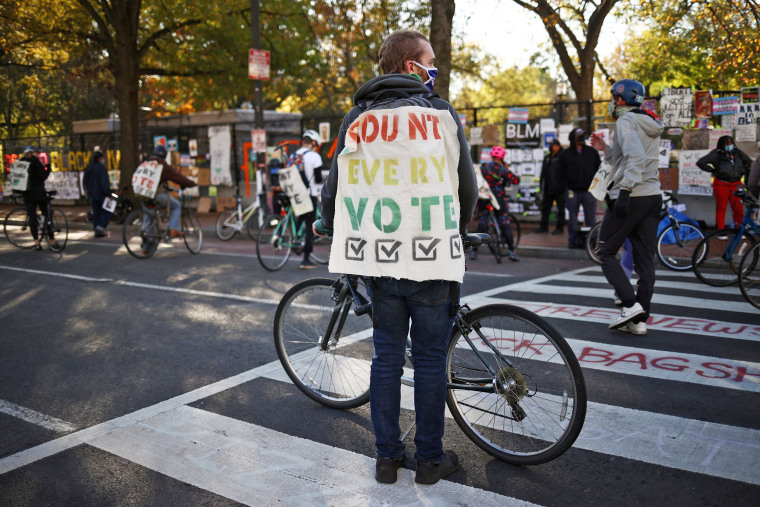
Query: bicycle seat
[[474, 239], [52, 193]]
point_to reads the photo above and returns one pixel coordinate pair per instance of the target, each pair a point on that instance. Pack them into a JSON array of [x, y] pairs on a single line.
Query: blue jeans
[[427, 305], [174, 209]]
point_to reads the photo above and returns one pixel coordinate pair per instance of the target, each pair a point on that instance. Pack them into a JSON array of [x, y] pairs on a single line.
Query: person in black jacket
[[578, 165], [98, 187], [553, 190], [407, 63], [36, 196], [729, 165]]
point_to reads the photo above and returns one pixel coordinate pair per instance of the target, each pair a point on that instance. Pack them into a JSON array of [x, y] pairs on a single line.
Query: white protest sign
[[20, 175], [294, 187], [564, 132], [676, 106], [397, 204], [691, 179], [220, 140], [146, 178], [66, 184], [746, 133], [749, 114], [664, 154], [476, 136]]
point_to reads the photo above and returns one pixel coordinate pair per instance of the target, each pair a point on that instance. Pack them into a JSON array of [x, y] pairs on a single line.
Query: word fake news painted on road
[[397, 205]]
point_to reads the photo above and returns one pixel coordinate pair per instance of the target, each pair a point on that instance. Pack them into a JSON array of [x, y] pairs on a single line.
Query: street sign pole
[[258, 101]]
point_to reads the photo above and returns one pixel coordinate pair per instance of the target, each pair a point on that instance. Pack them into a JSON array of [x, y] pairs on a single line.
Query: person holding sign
[[35, 195], [311, 162], [397, 200], [634, 202], [98, 187], [728, 164]]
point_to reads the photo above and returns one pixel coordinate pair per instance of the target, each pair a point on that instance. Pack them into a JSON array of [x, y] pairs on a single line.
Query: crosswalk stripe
[[695, 286], [259, 466]]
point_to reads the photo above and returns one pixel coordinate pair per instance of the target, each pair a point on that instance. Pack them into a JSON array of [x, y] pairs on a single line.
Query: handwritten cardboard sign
[[691, 179]]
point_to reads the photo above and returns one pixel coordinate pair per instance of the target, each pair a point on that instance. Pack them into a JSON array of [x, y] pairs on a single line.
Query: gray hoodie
[[634, 154]]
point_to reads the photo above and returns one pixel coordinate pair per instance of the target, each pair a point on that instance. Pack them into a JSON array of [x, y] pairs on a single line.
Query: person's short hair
[[398, 48]]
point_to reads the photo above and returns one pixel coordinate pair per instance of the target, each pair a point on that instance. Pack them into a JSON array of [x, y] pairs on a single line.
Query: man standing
[[98, 187], [553, 189], [438, 195], [311, 162], [578, 165], [633, 209]]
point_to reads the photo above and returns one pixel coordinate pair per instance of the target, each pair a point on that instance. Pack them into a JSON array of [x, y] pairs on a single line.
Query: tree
[[577, 53], [442, 16]]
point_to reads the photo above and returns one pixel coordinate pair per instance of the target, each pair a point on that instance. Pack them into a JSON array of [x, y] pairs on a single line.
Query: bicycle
[[279, 236], [498, 244], [17, 228], [143, 229], [514, 386], [675, 243], [718, 256], [749, 281], [231, 221]]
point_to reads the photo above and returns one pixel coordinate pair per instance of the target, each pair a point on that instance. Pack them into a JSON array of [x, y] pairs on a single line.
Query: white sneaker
[[639, 328], [626, 315], [616, 300]]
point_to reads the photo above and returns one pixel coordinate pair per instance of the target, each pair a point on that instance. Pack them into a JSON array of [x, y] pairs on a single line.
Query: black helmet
[[160, 151], [31, 149], [630, 90]]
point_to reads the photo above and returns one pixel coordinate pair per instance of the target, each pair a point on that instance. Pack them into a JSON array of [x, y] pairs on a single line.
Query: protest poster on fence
[[663, 155], [725, 105], [676, 106], [397, 204], [220, 140], [691, 179]]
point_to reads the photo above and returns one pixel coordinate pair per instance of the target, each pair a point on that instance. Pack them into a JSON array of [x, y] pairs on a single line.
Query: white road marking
[[34, 417], [59, 275]]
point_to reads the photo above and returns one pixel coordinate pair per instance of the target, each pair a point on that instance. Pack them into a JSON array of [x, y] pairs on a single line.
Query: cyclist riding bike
[[499, 177], [35, 196]]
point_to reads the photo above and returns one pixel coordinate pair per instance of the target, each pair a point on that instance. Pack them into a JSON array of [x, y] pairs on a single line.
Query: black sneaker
[[430, 472], [386, 469]]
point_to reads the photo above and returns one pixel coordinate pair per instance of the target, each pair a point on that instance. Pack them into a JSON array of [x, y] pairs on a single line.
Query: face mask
[[730, 148], [580, 140], [432, 72], [611, 107]]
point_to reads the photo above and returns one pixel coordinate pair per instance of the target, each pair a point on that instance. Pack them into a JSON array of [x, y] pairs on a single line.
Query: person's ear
[[409, 67]]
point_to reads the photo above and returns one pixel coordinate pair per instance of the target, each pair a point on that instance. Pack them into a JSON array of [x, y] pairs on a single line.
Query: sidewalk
[[531, 244]]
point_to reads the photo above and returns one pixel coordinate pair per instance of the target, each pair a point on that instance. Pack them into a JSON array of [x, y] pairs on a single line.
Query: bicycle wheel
[[141, 241], [675, 246], [532, 408], [321, 252], [749, 281], [191, 227], [60, 228], [226, 225], [273, 243], [495, 245], [336, 374], [713, 261], [254, 223], [16, 227], [592, 240]]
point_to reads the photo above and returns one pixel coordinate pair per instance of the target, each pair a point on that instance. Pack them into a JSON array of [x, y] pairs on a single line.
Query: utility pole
[[258, 109]]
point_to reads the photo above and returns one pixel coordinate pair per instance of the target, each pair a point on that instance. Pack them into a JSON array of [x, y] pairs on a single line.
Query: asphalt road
[[156, 382]]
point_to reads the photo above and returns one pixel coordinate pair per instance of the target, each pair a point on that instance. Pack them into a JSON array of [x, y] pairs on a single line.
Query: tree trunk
[[440, 39]]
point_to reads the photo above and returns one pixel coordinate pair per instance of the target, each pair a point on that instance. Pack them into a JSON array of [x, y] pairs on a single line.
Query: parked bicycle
[[55, 225], [279, 236], [514, 386], [230, 222], [144, 229], [675, 242], [718, 256]]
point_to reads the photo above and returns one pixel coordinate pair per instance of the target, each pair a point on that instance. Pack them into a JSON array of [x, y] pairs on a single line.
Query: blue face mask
[[432, 72], [730, 148]]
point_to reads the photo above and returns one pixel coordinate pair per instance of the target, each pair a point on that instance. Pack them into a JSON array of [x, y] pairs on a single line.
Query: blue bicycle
[[717, 257]]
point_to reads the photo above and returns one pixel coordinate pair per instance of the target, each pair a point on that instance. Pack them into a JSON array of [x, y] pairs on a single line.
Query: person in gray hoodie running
[[634, 202]]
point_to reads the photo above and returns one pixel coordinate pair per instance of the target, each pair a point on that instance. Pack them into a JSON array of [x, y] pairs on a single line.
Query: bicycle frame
[[747, 225]]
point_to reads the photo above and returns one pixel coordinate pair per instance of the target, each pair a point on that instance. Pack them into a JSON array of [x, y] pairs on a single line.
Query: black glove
[[621, 204]]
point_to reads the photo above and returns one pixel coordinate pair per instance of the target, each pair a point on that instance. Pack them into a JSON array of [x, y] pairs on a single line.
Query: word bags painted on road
[[146, 179], [20, 175], [397, 204], [293, 186]]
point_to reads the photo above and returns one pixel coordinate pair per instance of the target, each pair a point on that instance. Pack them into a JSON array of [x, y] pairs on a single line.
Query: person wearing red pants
[[729, 165]]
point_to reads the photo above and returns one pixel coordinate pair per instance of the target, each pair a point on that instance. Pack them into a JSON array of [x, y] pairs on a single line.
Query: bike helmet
[[160, 151], [31, 149], [498, 152], [630, 90], [312, 135]]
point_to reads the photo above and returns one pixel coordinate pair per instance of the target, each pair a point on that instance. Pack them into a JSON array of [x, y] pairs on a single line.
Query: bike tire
[[254, 224], [546, 384], [674, 252], [496, 240], [16, 228], [272, 244], [321, 252], [709, 263], [140, 242], [592, 241], [60, 229], [749, 281], [225, 225], [193, 232], [339, 376]]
